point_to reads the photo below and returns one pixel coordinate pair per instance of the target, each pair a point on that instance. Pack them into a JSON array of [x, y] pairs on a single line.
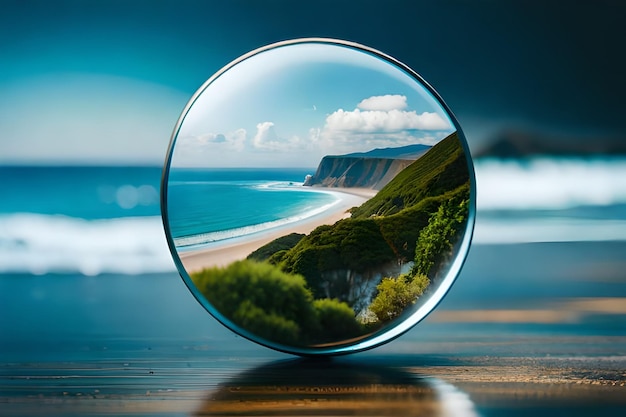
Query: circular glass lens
[[318, 197]]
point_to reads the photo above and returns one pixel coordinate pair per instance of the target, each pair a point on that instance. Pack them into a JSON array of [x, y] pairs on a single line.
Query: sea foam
[[196, 241], [550, 200], [549, 183], [39, 244]]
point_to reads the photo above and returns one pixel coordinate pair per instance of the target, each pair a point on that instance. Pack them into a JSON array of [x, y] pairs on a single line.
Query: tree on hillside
[[396, 294], [437, 239]]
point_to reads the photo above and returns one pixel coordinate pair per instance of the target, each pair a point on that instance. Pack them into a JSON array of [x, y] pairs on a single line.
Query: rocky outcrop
[[343, 171], [373, 169], [358, 289]]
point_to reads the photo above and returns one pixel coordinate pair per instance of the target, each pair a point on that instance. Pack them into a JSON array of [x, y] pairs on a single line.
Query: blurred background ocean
[[90, 93]]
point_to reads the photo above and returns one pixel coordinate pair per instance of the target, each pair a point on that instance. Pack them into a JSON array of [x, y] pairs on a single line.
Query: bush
[[396, 294], [258, 296], [336, 320], [267, 325], [437, 239], [275, 305]]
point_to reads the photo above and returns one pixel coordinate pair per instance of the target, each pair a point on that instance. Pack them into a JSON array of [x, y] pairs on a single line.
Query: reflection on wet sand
[[332, 388]]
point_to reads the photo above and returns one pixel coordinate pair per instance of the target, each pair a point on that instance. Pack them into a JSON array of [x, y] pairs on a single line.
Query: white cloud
[[212, 137], [383, 103], [266, 138], [336, 142], [265, 135], [342, 132], [224, 141], [379, 121], [384, 121], [208, 149]]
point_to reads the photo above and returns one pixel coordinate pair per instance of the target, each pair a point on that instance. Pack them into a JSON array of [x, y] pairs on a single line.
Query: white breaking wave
[[39, 244], [205, 238], [549, 183]]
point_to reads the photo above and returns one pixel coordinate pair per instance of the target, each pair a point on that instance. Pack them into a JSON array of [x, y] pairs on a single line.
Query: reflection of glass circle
[[335, 388], [318, 197]]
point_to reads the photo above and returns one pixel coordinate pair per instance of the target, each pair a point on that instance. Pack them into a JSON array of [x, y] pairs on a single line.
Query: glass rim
[[391, 331]]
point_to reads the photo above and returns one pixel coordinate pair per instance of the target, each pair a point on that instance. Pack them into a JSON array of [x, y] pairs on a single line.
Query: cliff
[[373, 169]]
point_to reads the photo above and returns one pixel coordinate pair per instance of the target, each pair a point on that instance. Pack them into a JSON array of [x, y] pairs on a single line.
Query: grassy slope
[[403, 207], [442, 169], [387, 226], [283, 243]]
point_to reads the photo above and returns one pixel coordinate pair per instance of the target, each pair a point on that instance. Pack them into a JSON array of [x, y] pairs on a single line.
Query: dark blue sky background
[[539, 65]]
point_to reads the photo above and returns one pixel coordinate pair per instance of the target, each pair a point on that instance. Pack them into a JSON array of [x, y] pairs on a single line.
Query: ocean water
[[209, 205], [106, 220], [85, 220]]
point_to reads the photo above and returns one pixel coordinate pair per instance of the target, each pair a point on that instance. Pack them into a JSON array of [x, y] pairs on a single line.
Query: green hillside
[[311, 289], [386, 228], [442, 169], [275, 247]]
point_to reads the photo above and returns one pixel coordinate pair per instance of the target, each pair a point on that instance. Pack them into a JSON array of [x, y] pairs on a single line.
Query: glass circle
[[318, 197]]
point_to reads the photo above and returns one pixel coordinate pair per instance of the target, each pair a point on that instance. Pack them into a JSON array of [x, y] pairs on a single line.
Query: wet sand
[[230, 250]]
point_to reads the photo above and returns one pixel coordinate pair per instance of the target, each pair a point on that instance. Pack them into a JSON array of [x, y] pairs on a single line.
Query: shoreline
[[228, 251]]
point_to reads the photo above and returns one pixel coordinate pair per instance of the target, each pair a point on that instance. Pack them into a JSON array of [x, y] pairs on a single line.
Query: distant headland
[[373, 169]]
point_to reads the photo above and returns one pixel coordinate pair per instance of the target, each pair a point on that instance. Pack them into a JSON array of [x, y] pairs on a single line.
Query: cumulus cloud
[[265, 135], [231, 140], [267, 138], [379, 121], [383, 103], [384, 121], [198, 150], [384, 114], [213, 138]]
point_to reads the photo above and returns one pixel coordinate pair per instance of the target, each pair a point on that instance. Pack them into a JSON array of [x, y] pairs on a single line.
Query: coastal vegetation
[[396, 294], [275, 305], [345, 280], [276, 248]]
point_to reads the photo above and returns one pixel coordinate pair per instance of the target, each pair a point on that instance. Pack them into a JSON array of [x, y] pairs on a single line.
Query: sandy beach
[[225, 252]]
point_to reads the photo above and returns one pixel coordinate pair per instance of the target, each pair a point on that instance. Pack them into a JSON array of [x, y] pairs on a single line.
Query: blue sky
[[104, 81], [291, 105]]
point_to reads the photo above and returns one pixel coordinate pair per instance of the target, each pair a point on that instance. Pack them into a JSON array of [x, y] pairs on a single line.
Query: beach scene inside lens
[[318, 197]]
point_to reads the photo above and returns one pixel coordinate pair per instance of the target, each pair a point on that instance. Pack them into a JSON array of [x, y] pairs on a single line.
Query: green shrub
[[281, 244], [275, 305], [396, 294], [267, 325], [336, 320], [253, 295], [436, 241]]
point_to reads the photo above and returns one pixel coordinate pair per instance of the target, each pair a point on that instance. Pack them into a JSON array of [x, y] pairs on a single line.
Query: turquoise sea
[[208, 205], [96, 220], [100, 220]]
